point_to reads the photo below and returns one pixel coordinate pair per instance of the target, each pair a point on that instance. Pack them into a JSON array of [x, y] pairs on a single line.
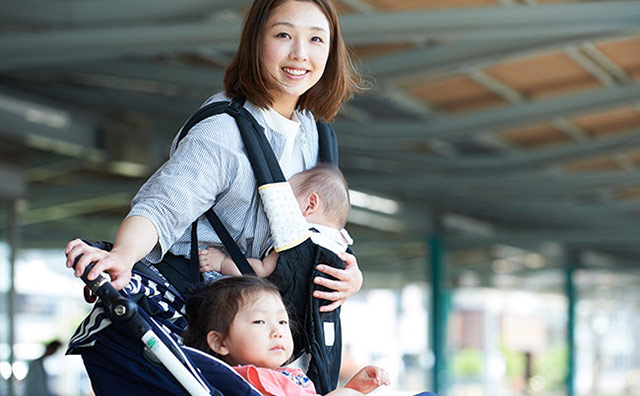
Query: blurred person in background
[[37, 379]]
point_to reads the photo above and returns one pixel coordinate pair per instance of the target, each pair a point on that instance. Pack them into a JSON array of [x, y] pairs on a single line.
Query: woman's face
[[295, 48]]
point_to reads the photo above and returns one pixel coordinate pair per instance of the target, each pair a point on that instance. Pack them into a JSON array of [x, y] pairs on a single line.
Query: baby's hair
[[329, 183], [214, 305]]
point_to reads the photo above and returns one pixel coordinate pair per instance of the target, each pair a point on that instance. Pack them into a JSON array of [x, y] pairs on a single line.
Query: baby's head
[[323, 195], [241, 320]]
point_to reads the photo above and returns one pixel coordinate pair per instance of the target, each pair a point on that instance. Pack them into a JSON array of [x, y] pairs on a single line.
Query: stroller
[[151, 308]]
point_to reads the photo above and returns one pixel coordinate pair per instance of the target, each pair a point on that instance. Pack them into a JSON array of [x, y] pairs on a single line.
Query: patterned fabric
[[288, 226], [155, 298], [210, 168], [280, 382]]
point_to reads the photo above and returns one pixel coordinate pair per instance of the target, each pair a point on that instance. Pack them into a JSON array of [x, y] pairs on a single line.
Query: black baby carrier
[[115, 365]]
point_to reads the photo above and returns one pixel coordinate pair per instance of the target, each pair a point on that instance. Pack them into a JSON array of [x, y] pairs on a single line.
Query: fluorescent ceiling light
[[35, 112], [373, 202]]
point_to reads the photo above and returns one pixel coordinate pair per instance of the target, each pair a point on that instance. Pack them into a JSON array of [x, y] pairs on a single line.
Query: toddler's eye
[[258, 321]]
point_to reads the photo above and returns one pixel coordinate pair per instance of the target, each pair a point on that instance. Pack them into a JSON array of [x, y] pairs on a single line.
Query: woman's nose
[[299, 50]]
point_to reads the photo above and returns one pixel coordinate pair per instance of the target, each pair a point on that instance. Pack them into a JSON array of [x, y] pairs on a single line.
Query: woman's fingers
[[103, 262], [345, 283]]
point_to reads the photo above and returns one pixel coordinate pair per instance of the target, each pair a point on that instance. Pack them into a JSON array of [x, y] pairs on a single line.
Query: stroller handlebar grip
[[100, 286]]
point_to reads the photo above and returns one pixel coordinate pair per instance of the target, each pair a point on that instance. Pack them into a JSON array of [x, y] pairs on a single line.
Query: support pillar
[[12, 240], [438, 306], [573, 261]]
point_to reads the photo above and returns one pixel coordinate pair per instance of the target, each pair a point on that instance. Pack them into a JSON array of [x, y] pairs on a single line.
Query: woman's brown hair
[[245, 76]]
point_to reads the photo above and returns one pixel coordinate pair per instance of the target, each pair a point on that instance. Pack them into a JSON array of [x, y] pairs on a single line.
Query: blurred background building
[[494, 165]]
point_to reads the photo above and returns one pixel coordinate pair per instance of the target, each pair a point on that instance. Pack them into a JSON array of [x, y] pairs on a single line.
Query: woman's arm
[[134, 240], [348, 283]]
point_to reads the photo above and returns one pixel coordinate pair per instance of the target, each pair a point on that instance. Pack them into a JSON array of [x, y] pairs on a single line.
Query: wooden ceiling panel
[[457, 94], [343, 8], [549, 74], [369, 51], [559, 1], [608, 122], [594, 164], [403, 5], [625, 53], [631, 192], [634, 157], [536, 136]]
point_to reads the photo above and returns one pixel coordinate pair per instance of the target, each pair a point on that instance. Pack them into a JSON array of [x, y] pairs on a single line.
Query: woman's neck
[[285, 106]]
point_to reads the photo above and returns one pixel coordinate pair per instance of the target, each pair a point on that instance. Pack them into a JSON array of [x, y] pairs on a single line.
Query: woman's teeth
[[295, 72]]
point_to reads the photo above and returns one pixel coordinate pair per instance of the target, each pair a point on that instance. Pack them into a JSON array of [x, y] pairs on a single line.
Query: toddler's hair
[[329, 183], [214, 305]]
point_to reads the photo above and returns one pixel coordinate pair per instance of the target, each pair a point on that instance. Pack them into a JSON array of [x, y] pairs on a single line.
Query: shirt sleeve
[[188, 183]]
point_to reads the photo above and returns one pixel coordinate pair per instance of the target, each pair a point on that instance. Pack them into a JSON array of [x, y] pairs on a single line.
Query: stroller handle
[[122, 309]]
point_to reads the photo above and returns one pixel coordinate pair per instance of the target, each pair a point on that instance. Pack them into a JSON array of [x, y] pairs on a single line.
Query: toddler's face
[[260, 334]]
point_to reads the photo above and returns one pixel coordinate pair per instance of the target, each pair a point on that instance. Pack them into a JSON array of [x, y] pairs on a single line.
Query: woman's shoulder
[[217, 126]]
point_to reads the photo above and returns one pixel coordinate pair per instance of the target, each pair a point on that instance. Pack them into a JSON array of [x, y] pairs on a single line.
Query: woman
[[292, 66]]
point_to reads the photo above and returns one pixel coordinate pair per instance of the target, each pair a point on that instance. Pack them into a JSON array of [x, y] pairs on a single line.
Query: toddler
[[243, 321], [323, 198]]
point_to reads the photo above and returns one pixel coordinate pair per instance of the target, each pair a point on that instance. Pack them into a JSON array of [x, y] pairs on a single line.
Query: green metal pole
[[573, 259], [438, 307], [12, 239]]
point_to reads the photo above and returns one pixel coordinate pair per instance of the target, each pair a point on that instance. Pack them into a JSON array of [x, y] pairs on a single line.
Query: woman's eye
[[317, 39], [259, 321], [283, 35], [284, 322]]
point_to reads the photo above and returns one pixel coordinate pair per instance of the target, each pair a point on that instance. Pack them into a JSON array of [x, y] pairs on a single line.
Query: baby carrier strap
[[263, 162]]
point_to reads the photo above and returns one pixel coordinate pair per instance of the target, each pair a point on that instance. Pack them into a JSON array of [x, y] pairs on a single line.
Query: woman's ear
[[216, 343]]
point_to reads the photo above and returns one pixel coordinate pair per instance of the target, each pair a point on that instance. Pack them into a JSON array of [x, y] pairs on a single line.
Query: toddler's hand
[[368, 379]]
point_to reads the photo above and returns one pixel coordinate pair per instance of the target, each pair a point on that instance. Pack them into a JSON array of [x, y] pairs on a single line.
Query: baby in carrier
[[323, 197], [243, 321]]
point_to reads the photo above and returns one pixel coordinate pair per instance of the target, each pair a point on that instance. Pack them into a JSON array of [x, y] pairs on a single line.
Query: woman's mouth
[[294, 72]]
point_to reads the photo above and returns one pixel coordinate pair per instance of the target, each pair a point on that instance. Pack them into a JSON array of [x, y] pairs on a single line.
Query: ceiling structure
[[513, 122]]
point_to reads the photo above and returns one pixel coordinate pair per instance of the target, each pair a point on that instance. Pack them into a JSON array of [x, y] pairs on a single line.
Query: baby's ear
[[313, 202], [216, 343]]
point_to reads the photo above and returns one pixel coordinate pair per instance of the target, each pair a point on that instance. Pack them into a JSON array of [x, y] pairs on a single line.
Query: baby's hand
[[210, 259], [368, 379]]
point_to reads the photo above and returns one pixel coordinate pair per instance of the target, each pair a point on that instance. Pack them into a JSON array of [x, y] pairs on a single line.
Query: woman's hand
[[134, 240], [117, 266], [348, 282], [368, 379]]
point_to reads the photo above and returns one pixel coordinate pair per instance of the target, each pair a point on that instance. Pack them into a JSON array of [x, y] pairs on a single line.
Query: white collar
[[280, 123]]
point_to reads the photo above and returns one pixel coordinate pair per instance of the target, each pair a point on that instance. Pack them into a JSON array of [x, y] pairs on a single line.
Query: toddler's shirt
[[281, 382]]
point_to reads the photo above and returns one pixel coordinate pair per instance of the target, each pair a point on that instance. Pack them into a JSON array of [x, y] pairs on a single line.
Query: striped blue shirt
[[210, 168]]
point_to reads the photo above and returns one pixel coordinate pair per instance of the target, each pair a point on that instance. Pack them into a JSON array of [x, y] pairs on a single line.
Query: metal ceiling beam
[[542, 182], [59, 47], [382, 134], [21, 50], [82, 13], [47, 125], [454, 22], [128, 73], [515, 161]]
